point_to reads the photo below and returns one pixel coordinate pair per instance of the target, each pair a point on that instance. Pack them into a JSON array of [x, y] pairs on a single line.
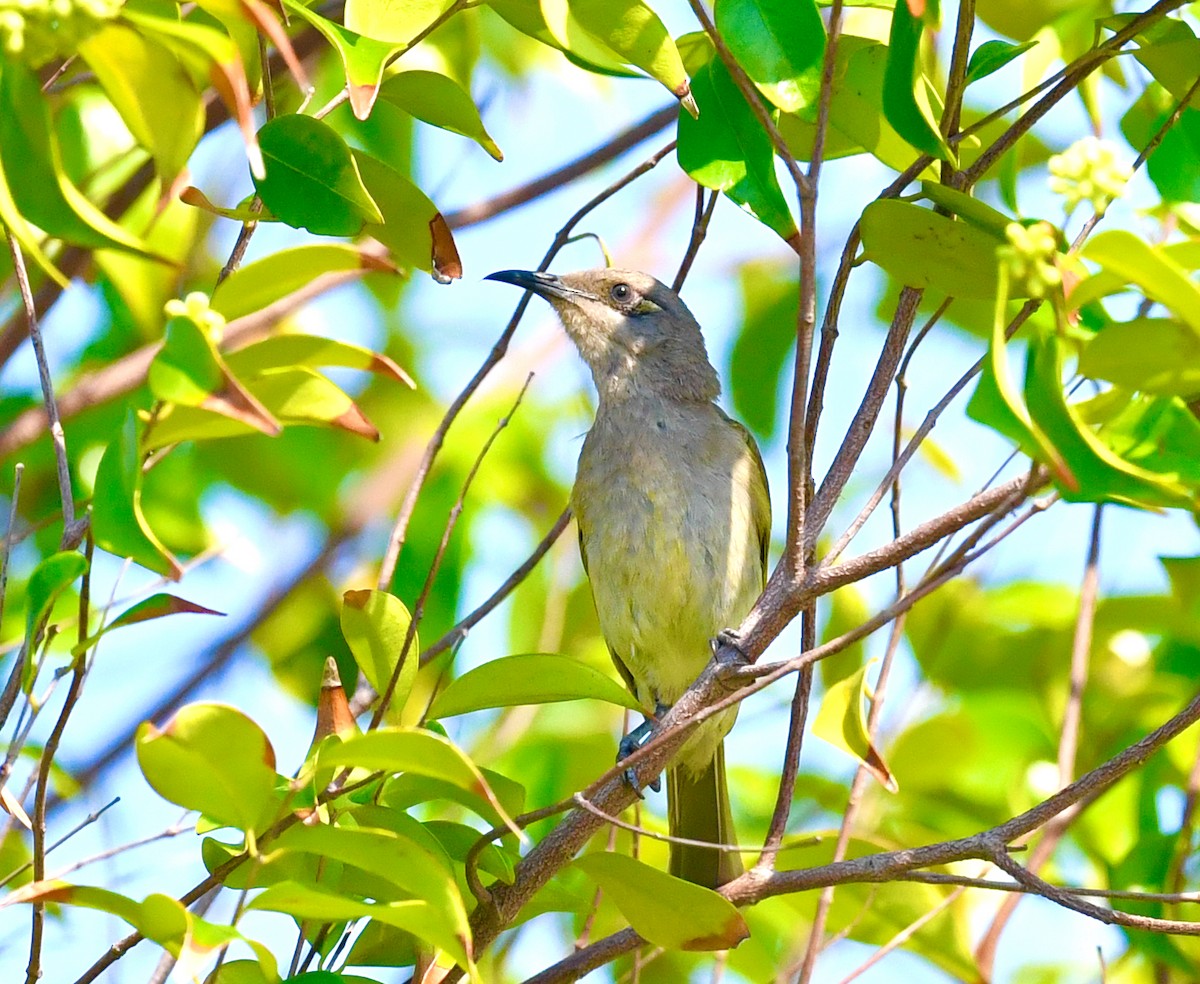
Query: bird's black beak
[[543, 284]]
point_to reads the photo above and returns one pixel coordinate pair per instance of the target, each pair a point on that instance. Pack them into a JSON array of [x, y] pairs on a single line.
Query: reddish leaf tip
[[362, 99]]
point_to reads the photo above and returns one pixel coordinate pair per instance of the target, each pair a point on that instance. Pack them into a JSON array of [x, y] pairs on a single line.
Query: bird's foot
[[631, 742], [728, 638]]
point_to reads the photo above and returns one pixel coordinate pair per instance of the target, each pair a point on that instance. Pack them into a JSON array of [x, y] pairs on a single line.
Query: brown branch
[[591, 957], [129, 372], [1068, 742], [956, 81], [797, 719], [46, 760], [914, 442], [863, 424], [656, 122], [886, 866], [1067, 900], [1083, 67]]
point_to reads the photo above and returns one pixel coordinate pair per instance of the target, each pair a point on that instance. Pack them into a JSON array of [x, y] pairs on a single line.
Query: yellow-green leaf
[[842, 721]]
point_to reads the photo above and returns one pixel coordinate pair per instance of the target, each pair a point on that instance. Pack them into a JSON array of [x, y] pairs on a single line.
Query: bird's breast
[[664, 508]]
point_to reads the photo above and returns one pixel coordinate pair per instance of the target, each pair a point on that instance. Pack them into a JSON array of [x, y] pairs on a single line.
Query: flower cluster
[[195, 308], [1029, 258], [37, 30], [1088, 171]]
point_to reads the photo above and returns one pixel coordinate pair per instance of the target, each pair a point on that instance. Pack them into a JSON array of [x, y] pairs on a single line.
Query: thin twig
[[1111, 917], [460, 631], [1068, 742], [71, 535], [797, 719], [49, 752], [863, 424], [418, 609], [1069, 83], [699, 230], [902, 937], [654, 123]]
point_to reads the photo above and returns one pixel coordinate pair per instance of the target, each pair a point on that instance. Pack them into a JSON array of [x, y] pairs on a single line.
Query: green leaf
[[408, 864], [996, 403], [439, 101], [214, 759], [240, 213], [32, 164], [412, 228], [530, 678], [256, 285], [923, 249], [415, 916], [581, 48], [902, 88], [294, 395], [311, 352], [1174, 164], [398, 21], [311, 179], [151, 91], [667, 911], [413, 751], [117, 519], [374, 624], [300, 396], [404, 791], [856, 110], [1153, 355], [160, 918], [49, 580], [780, 44], [991, 56], [848, 609], [978, 213], [24, 233], [842, 721], [363, 58], [725, 149], [156, 606], [628, 28], [1099, 474], [1163, 279], [189, 371], [210, 57], [759, 357]]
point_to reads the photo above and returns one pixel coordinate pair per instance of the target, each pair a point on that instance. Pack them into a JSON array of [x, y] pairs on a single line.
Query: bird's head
[[634, 333]]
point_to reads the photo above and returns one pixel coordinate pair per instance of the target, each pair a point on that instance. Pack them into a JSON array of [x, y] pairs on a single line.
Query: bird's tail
[[698, 809]]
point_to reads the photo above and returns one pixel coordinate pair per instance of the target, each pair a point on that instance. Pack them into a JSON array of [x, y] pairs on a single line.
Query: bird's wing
[[760, 493], [622, 669]]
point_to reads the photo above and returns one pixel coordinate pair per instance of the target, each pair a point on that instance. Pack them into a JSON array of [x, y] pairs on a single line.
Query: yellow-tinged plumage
[[674, 520]]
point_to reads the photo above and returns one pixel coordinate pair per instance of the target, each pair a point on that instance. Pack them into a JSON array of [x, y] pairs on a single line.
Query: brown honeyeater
[[674, 521]]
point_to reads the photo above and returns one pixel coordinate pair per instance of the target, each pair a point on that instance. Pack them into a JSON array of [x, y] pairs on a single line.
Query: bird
[[674, 517]]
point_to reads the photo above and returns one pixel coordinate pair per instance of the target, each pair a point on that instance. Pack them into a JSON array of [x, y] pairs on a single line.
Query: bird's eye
[[621, 293]]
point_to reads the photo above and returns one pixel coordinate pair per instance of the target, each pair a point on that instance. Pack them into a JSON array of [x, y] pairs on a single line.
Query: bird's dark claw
[[728, 637], [631, 742]]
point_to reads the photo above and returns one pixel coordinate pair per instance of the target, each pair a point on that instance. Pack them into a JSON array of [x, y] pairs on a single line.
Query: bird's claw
[[730, 638], [630, 743]]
